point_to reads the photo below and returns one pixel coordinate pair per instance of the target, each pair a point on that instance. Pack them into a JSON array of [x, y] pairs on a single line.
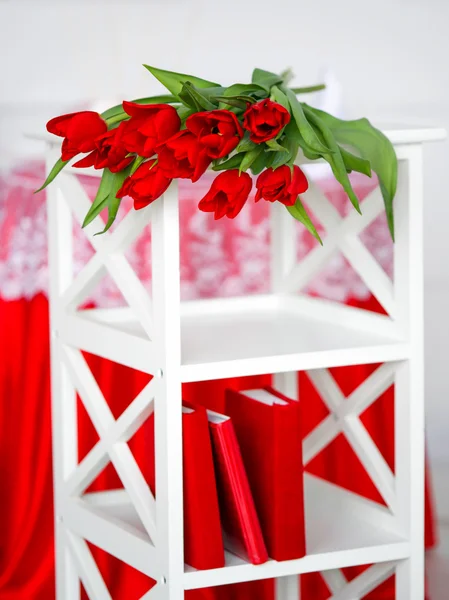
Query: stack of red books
[[243, 480]]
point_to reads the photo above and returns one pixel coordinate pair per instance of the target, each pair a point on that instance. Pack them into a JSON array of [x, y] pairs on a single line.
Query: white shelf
[[338, 522], [281, 333], [245, 336]]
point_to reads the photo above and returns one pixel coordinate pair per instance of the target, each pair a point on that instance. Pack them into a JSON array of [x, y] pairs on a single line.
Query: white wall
[[390, 56]]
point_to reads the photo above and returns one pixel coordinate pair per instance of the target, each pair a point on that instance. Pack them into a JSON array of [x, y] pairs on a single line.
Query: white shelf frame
[[147, 533]]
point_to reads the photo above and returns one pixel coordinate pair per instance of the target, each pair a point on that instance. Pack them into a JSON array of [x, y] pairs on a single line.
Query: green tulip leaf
[[244, 88], [232, 163], [235, 101], [249, 158], [300, 214], [100, 200], [174, 81], [263, 161], [306, 130], [193, 98], [278, 96], [355, 163], [265, 79], [334, 158], [274, 146], [373, 146], [57, 168], [245, 144], [106, 197]]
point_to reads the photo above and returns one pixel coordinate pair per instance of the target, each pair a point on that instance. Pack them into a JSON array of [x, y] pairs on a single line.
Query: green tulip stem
[[116, 119], [309, 89]]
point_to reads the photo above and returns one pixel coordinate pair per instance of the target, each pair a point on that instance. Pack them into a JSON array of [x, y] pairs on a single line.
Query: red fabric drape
[[26, 505]]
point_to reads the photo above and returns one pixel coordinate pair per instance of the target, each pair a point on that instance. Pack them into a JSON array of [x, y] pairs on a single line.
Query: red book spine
[[240, 523], [203, 541], [289, 539], [270, 441]]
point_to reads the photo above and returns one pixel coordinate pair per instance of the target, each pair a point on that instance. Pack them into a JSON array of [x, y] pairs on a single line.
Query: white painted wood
[[119, 452], [371, 458], [120, 431], [110, 253], [273, 339], [132, 349], [279, 333], [64, 413], [156, 593], [344, 418], [365, 582], [327, 311], [360, 399], [409, 386], [119, 538], [282, 244], [168, 401], [342, 236], [335, 580], [87, 568]]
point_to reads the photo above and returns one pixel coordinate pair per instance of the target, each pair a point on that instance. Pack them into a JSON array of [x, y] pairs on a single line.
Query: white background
[[391, 57]]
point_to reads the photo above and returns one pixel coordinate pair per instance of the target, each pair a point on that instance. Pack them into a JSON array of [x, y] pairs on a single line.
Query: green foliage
[[278, 96], [300, 214], [232, 163], [274, 146], [57, 168], [334, 157], [374, 147], [193, 98], [250, 157], [265, 79], [309, 89], [355, 163], [263, 161], [346, 145], [245, 144], [308, 134], [174, 81], [106, 197]]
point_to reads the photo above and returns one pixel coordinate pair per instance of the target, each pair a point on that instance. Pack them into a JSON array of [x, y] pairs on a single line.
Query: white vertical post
[[409, 385], [283, 257], [168, 401], [283, 244], [64, 413]]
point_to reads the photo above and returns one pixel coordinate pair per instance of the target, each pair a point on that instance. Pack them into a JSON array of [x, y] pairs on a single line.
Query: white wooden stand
[[280, 333]]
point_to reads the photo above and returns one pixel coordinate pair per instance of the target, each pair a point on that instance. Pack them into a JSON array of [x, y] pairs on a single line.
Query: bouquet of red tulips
[[261, 127]]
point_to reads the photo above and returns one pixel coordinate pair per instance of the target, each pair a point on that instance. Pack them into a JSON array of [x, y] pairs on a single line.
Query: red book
[[268, 429], [241, 528], [203, 541]]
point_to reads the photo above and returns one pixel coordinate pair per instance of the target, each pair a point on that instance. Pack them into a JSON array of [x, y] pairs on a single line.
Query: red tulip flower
[[228, 193], [183, 156], [110, 152], [145, 185], [264, 120], [218, 131], [79, 130], [281, 185], [149, 126]]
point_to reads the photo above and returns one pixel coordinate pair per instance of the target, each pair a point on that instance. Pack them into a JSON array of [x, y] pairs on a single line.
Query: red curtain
[[26, 504]]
